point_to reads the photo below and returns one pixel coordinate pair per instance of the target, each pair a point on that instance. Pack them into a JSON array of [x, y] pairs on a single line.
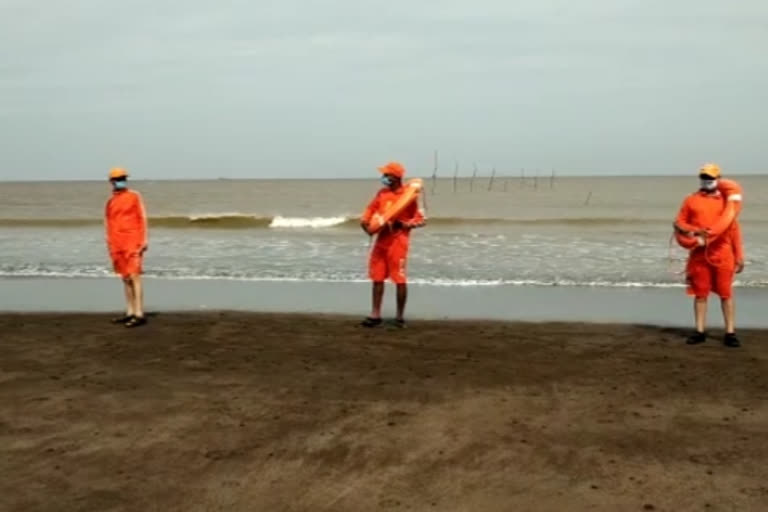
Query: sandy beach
[[244, 411]]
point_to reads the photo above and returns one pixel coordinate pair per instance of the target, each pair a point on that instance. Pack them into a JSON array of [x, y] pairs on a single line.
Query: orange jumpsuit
[[710, 268], [126, 226], [390, 253]]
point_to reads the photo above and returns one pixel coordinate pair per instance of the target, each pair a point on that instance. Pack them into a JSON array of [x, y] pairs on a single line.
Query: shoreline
[[653, 306], [102, 319]]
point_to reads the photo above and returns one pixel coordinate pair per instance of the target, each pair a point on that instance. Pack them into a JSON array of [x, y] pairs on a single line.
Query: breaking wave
[[209, 221], [248, 221]]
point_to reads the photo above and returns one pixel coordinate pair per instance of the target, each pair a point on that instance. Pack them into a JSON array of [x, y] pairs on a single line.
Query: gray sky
[[282, 88]]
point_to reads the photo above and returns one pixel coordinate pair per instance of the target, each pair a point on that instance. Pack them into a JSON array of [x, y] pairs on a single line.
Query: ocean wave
[[251, 221], [202, 221], [31, 273], [303, 222]]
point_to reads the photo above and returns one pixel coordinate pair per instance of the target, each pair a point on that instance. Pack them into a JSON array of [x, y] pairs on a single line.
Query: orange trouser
[[704, 277], [388, 260], [127, 263]]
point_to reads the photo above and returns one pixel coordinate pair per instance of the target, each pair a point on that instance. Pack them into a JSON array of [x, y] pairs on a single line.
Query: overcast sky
[[258, 88]]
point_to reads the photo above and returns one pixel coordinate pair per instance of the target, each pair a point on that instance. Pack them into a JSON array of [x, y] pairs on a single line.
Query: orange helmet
[[711, 170], [395, 169], [117, 173]]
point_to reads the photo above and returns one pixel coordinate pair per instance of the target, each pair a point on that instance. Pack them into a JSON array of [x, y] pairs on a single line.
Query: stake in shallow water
[[455, 176], [490, 182], [434, 174]]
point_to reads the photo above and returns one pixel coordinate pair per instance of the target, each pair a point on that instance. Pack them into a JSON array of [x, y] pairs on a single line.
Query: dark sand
[[248, 412]]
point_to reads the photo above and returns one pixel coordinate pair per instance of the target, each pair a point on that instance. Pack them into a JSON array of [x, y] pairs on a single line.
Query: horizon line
[[366, 178]]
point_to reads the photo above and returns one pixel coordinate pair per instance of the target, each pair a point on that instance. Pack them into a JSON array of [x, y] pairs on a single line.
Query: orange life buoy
[[411, 193], [732, 195], [731, 192]]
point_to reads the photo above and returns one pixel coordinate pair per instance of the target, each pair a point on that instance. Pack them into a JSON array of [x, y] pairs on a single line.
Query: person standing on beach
[[390, 253], [126, 232], [712, 265]]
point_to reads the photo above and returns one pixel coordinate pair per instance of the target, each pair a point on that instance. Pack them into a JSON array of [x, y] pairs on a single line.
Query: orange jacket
[[410, 216], [701, 210], [126, 222]]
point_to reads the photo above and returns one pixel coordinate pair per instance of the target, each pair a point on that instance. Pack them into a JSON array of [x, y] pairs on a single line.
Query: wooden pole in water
[[522, 178], [536, 180], [552, 180], [474, 175], [434, 175], [455, 176], [490, 182], [589, 196]]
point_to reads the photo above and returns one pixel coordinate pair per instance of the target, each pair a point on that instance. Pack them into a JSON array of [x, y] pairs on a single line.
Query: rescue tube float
[[411, 193], [732, 195]]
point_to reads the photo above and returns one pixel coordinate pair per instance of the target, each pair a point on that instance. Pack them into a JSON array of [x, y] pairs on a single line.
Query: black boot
[[730, 340], [696, 338]]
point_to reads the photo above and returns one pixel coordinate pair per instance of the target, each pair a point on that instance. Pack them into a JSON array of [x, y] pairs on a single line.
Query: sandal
[[371, 322], [136, 321]]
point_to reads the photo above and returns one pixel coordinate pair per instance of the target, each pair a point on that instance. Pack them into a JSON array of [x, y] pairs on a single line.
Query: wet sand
[[669, 307], [250, 412]]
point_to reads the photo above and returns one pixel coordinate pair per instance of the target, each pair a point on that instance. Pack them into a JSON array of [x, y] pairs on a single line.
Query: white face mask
[[708, 185]]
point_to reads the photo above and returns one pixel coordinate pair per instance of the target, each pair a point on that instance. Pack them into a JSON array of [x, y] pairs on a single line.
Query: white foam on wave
[[549, 283], [67, 274], [443, 282], [306, 222], [221, 215]]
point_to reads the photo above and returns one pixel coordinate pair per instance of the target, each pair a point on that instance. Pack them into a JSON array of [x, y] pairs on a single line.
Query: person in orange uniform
[[126, 226], [712, 265], [390, 253]]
